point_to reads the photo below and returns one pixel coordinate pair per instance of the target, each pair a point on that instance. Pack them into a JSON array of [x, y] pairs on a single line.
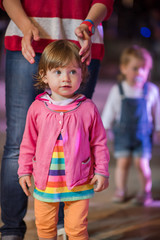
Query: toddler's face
[[64, 82], [136, 72]]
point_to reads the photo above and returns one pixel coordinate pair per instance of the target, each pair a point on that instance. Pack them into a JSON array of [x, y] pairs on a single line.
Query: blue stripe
[[56, 196], [60, 137], [56, 172]]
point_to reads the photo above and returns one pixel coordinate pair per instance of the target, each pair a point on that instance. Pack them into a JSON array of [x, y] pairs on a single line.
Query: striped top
[[57, 20], [56, 189]]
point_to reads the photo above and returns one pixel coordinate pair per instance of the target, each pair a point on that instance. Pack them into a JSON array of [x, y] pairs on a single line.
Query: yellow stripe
[[58, 155], [65, 189]]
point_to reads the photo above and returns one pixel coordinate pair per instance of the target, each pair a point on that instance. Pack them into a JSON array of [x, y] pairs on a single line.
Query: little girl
[[63, 146], [131, 111]]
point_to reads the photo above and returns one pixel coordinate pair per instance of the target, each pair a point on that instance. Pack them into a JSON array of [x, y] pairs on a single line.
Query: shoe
[[61, 232], [119, 196], [142, 199], [12, 237]]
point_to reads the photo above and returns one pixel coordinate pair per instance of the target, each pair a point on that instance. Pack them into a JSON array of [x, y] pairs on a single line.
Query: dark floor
[[108, 221]]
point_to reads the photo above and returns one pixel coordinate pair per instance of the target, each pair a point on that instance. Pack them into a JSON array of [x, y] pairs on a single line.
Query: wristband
[[91, 27], [89, 20]]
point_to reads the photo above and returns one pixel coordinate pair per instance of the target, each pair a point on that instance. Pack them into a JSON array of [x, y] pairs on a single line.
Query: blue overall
[[133, 133]]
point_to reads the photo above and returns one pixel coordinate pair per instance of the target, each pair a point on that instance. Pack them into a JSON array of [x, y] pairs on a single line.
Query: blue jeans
[[20, 93], [93, 69]]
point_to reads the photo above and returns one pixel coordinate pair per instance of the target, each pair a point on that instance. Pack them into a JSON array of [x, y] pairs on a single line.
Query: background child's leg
[[144, 171], [144, 196], [46, 215], [75, 219], [121, 174]]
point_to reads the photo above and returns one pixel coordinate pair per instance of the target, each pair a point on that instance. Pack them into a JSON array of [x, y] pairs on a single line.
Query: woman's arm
[[16, 12], [96, 14]]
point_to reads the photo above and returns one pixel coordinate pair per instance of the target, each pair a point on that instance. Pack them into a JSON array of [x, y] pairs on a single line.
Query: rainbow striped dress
[[56, 189]]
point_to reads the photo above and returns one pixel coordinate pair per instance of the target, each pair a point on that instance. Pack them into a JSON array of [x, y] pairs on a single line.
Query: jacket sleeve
[[28, 144], [98, 143], [109, 6]]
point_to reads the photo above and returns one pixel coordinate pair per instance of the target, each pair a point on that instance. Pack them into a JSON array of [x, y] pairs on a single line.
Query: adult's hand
[[85, 43], [97, 13], [31, 33]]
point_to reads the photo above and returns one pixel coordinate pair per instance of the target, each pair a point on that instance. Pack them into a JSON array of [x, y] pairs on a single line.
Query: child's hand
[[25, 182], [101, 183]]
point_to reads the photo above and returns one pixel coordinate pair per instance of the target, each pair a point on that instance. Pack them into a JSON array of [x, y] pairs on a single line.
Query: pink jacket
[[84, 143]]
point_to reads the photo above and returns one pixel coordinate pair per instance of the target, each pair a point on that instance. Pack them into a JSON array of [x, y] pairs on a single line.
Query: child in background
[[63, 146], [132, 111]]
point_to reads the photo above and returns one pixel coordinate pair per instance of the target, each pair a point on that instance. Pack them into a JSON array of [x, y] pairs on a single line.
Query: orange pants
[[75, 219]]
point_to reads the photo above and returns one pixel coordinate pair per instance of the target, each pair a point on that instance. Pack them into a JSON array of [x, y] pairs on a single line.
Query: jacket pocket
[[86, 161], [85, 167], [34, 159]]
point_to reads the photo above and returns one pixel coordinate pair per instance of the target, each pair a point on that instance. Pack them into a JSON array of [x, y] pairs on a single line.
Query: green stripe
[[57, 167]]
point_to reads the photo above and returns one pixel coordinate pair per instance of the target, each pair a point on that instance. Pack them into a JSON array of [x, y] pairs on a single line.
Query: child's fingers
[[28, 182], [101, 185], [98, 187], [25, 184], [25, 189], [93, 181]]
